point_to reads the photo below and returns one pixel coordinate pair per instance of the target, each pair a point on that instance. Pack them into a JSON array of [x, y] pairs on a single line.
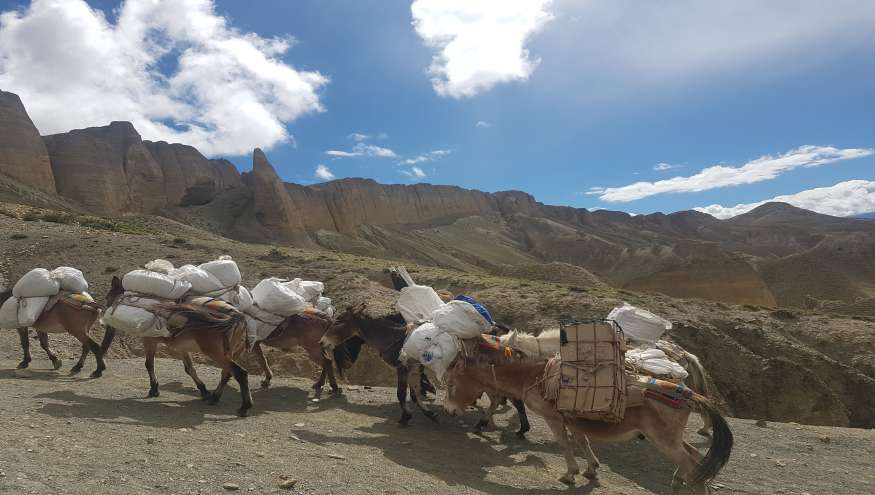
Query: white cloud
[[764, 168], [415, 172], [323, 172], [662, 167], [426, 157], [358, 137], [844, 199], [363, 149], [483, 124], [227, 92], [479, 43]]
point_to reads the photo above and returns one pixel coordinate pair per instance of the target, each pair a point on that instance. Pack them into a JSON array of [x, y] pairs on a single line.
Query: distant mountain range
[[868, 216], [773, 255]]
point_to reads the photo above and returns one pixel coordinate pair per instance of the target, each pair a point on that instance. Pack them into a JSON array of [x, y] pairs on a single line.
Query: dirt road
[[82, 436]]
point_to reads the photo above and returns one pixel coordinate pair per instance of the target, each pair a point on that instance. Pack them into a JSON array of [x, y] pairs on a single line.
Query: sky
[[625, 105]]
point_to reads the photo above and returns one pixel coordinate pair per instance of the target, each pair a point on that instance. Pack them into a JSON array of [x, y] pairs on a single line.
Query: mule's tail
[[346, 354], [108, 335], [721, 442]]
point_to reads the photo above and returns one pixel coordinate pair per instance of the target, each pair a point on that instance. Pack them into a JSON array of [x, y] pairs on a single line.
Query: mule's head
[[345, 327], [115, 291], [462, 391]]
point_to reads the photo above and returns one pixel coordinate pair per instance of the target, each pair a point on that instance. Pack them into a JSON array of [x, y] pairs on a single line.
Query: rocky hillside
[[762, 258]]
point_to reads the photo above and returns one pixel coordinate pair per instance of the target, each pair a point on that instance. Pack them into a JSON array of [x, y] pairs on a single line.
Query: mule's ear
[[116, 282]]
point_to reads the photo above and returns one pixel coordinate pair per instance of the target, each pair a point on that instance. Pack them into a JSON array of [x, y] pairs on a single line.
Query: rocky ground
[[75, 435]]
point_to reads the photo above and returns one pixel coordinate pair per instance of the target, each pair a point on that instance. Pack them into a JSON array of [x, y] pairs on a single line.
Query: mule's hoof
[[99, 373], [202, 389], [75, 370], [213, 399], [153, 392], [336, 390], [521, 433], [57, 363], [243, 412], [265, 384], [590, 475], [22, 365], [405, 419], [567, 479], [432, 416]]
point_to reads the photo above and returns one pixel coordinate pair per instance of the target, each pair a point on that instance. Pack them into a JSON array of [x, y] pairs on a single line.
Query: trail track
[[77, 435]]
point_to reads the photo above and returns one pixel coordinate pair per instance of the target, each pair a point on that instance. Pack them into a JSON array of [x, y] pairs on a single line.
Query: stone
[[231, 487], [288, 484], [23, 154]]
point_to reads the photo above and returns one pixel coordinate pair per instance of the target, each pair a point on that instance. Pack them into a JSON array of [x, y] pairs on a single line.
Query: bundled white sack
[[36, 283], [155, 284], [324, 304], [417, 303], [160, 266], [132, 316], [654, 361], [272, 295], [311, 291], [461, 319], [202, 282], [18, 312], [225, 270], [240, 298], [433, 347], [260, 323], [70, 279], [639, 325]]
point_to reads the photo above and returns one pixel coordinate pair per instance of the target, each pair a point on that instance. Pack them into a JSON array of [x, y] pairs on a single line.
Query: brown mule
[[306, 331], [221, 336], [661, 424], [66, 316], [387, 335]]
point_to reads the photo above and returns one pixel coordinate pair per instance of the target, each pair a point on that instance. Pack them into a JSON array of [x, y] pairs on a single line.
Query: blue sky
[[610, 92]]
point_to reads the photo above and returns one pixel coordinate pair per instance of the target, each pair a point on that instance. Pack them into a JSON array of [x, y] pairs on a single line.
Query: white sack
[[432, 347], [655, 362], [155, 284], [460, 319], [261, 323], [258, 330], [311, 291], [202, 282], [417, 303], [240, 298], [272, 295], [160, 266], [136, 320], [70, 279], [225, 270], [324, 304], [30, 309], [36, 283], [639, 325], [9, 313]]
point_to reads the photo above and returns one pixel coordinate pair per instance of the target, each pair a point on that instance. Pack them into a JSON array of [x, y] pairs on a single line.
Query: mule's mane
[[6, 294], [541, 346]]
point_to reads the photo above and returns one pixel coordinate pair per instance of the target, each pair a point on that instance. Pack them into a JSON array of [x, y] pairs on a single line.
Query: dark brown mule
[[306, 331], [66, 316], [661, 424], [221, 336], [386, 335]]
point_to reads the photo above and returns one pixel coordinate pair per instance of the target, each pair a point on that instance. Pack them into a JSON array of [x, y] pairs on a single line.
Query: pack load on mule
[[643, 331], [275, 299], [38, 290], [434, 341], [133, 312], [218, 279]]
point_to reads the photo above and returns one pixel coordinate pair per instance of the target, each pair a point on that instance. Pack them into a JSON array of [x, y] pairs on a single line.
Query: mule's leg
[[79, 364], [95, 348], [265, 366], [560, 434], [317, 386], [25, 348], [150, 346], [592, 462], [188, 364], [335, 388], [524, 418], [401, 392], [44, 343], [486, 419], [242, 377], [670, 442], [220, 388], [414, 381]]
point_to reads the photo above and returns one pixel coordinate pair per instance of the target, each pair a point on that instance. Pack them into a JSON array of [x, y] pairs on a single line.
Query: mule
[[306, 331], [546, 345], [661, 424], [70, 316], [221, 336]]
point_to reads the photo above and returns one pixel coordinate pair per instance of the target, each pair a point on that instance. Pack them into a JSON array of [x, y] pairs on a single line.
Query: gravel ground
[[62, 434]]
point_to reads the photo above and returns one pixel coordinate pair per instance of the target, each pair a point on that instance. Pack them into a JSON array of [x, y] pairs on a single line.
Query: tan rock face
[[274, 207], [23, 154], [190, 178]]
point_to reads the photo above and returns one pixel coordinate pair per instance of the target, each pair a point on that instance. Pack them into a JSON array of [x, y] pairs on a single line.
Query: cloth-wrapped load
[[134, 315], [36, 283], [70, 279], [639, 325], [433, 347], [274, 296], [461, 319], [417, 303], [151, 283], [19, 312]]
